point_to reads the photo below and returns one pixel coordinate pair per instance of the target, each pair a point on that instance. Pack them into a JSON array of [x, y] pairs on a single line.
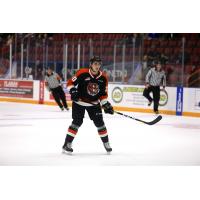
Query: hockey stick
[[156, 120]]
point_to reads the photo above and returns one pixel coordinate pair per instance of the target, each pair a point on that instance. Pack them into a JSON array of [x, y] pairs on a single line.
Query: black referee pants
[[156, 95], [59, 96]]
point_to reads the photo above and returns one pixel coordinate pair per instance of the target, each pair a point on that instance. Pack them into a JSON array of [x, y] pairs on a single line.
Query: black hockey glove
[[108, 108], [74, 94]]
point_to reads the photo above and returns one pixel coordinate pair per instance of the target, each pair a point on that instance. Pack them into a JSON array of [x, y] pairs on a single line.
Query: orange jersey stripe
[[103, 97], [70, 82]]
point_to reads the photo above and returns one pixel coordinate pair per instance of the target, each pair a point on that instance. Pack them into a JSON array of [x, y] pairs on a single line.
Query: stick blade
[[156, 120]]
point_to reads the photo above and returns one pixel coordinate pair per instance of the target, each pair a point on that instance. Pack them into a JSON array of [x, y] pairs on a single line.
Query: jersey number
[[74, 78]]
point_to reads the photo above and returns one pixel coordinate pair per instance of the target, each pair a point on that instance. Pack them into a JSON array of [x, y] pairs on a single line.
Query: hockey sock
[[105, 139], [72, 131], [102, 131]]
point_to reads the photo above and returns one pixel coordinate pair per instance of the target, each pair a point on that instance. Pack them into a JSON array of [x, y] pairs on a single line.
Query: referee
[[154, 78], [53, 85]]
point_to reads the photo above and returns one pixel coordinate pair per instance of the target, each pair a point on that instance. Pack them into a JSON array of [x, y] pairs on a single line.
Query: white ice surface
[[34, 135]]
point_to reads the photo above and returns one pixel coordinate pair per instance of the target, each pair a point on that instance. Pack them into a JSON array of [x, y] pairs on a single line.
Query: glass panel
[[126, 57], [192, 61], [169, 53], [4, 59]]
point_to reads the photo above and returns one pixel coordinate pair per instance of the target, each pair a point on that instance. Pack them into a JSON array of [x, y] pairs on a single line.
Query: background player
[[88, 89]]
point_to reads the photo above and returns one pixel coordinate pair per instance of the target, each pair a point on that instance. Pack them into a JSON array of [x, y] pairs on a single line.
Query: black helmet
[[95, 59]]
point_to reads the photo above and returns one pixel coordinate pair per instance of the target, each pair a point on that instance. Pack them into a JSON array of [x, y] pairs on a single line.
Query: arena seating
[[103, 44]]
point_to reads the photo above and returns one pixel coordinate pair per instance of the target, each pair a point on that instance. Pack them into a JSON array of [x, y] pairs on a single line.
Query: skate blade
[[66, 152]]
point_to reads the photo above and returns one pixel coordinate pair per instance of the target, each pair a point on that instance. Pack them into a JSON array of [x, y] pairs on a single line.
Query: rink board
[[122, 97]]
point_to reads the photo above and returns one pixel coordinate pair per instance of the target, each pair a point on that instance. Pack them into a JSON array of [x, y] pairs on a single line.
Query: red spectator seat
[[172, 79], [160, 50], [164, 43], [196, 51], [168, 51], [177, 50], [190, 43], [188, 50], [155, 42], [147, 43], [188, 69], [172, 43], [198, 43]]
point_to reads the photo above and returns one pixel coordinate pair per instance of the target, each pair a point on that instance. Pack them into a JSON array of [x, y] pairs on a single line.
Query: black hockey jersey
[[90, 88]]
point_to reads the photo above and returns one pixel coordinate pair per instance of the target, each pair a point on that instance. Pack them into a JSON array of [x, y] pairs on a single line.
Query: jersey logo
[[93, 89]]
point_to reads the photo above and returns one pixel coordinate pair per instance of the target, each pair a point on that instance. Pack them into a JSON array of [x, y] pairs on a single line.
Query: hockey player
[[53, 85], [88, 89]]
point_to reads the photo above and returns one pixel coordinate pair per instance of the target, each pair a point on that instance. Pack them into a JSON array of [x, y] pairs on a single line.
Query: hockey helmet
[[95, 59]]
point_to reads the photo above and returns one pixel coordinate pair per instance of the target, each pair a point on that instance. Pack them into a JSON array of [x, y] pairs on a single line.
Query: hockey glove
[[108, 108], [74, 94]]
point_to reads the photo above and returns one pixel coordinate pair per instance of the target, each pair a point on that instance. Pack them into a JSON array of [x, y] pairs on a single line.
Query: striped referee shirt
[[155, 78], [52, 80]]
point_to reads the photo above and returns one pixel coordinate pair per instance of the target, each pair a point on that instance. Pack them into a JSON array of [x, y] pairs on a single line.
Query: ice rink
[[34, 135]]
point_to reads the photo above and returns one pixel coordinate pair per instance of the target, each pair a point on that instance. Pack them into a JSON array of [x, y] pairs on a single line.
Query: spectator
[[39, 74], [153, 56], [163, 59], [180, 57]]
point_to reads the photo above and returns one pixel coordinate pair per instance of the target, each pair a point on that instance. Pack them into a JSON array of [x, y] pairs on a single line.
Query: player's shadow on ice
[[87, 154]]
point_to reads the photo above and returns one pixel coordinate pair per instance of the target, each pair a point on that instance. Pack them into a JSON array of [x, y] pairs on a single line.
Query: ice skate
[[67, 148], [62, 109], [150, 102], [156, 112], [107, 147]]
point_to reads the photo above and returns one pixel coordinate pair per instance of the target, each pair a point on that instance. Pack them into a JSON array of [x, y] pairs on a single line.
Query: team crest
[[93, 89]]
